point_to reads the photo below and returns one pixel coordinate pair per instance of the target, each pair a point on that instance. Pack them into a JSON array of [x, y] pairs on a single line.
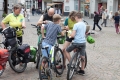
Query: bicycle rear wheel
[[58, 61], [44, 71], [15, 62]]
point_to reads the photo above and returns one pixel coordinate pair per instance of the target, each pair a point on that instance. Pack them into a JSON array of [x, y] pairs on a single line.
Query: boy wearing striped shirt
[[52, 30]]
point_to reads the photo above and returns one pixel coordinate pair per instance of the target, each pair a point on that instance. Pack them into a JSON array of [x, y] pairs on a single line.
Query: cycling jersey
[[14, 21], [69, 23]]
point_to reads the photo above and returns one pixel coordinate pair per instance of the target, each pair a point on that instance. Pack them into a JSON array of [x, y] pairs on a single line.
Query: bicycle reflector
[[90, 40]]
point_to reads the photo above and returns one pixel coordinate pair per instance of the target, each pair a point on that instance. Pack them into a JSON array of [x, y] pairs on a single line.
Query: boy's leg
[[83, 47], [44, 52], [69, 49]]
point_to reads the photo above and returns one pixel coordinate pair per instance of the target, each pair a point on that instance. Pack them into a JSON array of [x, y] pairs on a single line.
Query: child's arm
[[63, 32], [72, 35], [42, 31]]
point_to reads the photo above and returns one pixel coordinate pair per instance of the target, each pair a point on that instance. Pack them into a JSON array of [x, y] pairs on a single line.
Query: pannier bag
[[10, 42], [9, 33], [3, 57], [33, 52], [24, 51]]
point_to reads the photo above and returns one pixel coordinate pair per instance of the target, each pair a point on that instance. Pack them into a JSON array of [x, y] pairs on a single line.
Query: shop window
[[76, 5]]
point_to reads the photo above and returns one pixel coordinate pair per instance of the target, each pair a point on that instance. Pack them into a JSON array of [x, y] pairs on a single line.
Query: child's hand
[[43, 37], [70, 37]]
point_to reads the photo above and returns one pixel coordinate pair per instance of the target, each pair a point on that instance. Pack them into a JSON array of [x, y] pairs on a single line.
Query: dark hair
[[116, 13], [56, 17], [95, 12], [79, 15], [72, 14]]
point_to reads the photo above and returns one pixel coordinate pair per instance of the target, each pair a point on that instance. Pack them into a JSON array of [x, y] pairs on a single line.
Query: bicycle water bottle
[[52, 54]]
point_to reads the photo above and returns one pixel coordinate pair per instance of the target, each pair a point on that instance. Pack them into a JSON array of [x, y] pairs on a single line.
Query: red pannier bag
[[3, 57]]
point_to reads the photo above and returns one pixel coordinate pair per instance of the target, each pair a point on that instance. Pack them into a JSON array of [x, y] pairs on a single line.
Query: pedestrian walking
[[96, 21], [33, 11], [28, 14], [22, 11], [111, 18], [104, 17], [116, 18]]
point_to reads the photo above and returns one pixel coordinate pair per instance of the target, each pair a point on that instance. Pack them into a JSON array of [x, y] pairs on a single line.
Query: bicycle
[[55, 61], [39, 54], [12, 44], [74, 63], [7, 50]]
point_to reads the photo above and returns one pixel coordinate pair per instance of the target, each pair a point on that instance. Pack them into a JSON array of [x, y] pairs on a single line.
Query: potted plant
[[4, 15]]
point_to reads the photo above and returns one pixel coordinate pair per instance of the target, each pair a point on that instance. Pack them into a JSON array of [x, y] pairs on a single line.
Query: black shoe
[[100, 29], [81, 72]]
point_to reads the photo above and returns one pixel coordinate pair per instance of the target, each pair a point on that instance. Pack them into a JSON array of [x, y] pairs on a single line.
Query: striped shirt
[[52, 31]]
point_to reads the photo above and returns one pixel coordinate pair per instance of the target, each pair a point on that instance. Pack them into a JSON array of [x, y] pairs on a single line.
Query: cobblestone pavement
[[103, 56]]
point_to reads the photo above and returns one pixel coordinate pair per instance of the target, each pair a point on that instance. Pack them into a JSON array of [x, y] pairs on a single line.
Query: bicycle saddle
[[45, 47]]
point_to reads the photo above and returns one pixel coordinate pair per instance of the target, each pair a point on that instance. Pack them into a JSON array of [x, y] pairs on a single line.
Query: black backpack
[[9, 33]]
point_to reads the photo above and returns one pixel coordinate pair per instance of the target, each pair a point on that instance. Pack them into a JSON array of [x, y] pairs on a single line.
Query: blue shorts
[[44, 52]]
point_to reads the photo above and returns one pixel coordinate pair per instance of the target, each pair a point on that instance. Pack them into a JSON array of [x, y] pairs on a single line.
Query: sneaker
[[81, 72], [100, 29], [44, 76]]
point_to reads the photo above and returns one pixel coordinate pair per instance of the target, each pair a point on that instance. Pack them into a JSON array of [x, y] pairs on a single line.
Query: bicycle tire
[[11, 61], [69, 67], [1, 71], [39, 52], [56, 62], [38, 56], [85, 60], [40, 69]]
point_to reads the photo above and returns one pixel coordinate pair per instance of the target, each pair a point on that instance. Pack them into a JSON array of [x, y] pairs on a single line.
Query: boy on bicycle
[[52, 30], [78, 34]]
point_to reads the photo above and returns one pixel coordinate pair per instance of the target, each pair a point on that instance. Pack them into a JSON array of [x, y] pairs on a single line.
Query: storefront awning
[[52, 4]]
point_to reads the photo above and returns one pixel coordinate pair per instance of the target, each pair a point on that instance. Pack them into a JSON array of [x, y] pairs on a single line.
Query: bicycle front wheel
[[15, 62], [71, 67], [44, 71], [38, 55], [58, 61]]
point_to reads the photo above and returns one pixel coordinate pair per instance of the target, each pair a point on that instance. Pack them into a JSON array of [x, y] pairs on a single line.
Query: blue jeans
[[44, 52]]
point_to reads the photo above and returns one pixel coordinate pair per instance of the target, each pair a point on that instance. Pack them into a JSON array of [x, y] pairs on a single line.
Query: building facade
[[77, 5], [110, 5]]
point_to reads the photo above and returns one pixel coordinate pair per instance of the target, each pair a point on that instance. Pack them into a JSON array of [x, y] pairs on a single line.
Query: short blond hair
[[56, 17]]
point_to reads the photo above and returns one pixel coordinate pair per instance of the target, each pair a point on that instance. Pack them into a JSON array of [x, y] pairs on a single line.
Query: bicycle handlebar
[[35, 26]]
